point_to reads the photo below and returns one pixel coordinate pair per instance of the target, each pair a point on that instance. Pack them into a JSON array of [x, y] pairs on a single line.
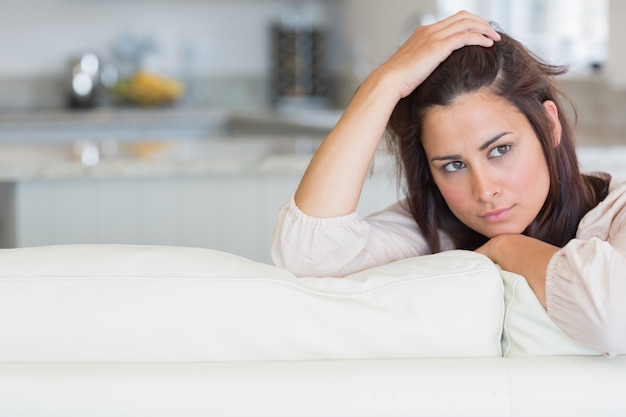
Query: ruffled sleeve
[[310, 246], [586, 279]]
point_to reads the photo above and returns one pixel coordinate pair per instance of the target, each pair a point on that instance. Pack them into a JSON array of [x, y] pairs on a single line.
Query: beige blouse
[[585, 280]]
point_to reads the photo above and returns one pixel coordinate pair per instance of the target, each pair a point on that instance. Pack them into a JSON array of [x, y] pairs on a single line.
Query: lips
[[495, 215]]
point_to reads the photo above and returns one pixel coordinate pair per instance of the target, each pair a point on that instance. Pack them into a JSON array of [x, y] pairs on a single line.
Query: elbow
[[298, 264], [604, 333], [610, 337], [613, 345]]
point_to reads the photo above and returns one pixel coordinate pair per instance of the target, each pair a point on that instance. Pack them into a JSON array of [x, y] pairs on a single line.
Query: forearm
[[332, 184], [522, 255]]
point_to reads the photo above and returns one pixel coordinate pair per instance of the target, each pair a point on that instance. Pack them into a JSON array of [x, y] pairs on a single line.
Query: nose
[[485, 185]]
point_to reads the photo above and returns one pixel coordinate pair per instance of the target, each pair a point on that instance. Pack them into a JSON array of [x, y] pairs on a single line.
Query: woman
[[489, 165]]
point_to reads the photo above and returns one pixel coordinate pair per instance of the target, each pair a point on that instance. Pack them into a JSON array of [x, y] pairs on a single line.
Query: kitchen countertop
[[46, 145], [49, 144], [161, 122], [230, 156], [106, 115]]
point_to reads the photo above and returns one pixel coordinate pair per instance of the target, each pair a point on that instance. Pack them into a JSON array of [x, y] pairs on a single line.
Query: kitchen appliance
[[298, 64], [84, 80]]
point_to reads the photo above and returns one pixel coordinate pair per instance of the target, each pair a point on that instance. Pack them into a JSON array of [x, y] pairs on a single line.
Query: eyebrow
[[481, 148]]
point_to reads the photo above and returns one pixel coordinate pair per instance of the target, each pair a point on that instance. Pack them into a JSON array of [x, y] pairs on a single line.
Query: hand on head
[[430, 45]]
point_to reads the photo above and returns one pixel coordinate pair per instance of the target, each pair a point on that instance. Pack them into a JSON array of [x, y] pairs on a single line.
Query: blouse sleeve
[[586, 279], [310, 246]]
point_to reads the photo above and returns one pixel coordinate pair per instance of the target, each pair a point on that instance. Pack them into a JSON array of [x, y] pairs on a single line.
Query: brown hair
[[513, 73]]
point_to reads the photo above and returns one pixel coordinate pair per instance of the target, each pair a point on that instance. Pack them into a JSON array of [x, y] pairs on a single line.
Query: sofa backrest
[[157, 303]]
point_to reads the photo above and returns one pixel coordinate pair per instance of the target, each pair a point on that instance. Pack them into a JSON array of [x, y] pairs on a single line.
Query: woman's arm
[[583, 284], [522, 255], [332, 184]]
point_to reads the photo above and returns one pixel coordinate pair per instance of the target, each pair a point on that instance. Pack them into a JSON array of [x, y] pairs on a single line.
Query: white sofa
[[113, 330]]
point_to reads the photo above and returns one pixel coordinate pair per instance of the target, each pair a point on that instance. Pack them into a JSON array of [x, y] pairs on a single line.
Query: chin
[[503, 231]]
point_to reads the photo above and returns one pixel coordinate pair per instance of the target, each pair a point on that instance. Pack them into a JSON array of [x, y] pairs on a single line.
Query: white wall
[[617, 54], [224, 37]]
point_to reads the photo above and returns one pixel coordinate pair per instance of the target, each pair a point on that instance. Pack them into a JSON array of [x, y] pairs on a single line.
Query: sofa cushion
[[158, 303], [528, 330]]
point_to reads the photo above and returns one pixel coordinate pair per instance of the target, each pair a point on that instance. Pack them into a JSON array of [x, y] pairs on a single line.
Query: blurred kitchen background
[[188, 122]]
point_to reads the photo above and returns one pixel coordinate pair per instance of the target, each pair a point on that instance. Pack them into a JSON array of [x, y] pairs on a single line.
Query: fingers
[[475, 30], [462, 28], [430, 45]]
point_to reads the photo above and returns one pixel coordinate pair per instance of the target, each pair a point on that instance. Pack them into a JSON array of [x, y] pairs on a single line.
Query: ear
[[553, 117]]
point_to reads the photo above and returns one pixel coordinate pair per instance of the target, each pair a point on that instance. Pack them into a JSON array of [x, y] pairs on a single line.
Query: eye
[[499, 151], [453, 166]]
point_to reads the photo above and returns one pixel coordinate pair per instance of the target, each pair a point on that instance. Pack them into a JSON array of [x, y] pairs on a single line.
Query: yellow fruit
[[149, 89]]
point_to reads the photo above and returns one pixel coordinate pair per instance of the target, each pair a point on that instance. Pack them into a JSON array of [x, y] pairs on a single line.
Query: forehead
[[480, 104], [475, 117]]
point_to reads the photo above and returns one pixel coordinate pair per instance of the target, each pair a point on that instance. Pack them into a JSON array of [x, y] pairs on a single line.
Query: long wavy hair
[[512, 72]]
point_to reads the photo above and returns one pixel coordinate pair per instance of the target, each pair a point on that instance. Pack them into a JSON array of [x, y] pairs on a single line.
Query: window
[[569, 32]]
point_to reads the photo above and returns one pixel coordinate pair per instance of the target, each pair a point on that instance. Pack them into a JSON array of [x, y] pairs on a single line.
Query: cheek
[[456, 196], [530, 178], [524, 183]]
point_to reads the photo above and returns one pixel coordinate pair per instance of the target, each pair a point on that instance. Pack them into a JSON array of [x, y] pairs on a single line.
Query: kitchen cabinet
[[233, 212]]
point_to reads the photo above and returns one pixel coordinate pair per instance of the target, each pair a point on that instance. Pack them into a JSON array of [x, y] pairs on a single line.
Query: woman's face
[[488, 163]]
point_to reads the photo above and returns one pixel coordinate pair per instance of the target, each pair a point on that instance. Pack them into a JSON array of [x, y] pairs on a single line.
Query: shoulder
[[609, 215], [617, 186]]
